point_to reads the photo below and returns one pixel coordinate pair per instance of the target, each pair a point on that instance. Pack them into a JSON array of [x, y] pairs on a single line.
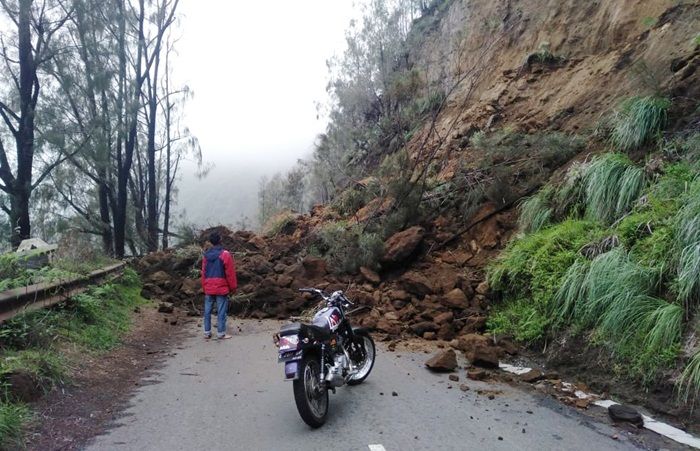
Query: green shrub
[[613, 184], [638, 121], [348, 247], [649, 22]]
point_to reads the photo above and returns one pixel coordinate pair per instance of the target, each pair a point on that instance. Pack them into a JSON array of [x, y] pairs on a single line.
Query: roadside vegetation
[[38, 348], [612, 253]]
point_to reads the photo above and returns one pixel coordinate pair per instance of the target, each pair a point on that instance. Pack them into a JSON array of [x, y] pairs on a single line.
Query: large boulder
[[401, 245], [444, 361], [370, 276], [315, 267]]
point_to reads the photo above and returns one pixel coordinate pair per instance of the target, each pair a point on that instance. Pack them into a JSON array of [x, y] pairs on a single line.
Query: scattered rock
[[430, 335], [370, 276], [464, 387], [477, 374], [627, 414], [455, 299], [444, 361], [394, 393], [483, 288], [582, 403], [532, 376], [444, 318], [425, 326], [485, 356], [166, 307], [454, 377], [402, 244]]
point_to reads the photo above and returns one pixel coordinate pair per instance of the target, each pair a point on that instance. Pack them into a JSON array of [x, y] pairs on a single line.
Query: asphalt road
[[230, 395]]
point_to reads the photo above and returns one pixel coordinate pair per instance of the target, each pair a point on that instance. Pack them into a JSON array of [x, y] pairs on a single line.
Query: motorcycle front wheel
[[310, 393], [362, 353]]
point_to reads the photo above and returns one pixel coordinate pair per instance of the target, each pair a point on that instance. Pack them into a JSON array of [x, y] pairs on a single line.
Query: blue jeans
[[221, 309]]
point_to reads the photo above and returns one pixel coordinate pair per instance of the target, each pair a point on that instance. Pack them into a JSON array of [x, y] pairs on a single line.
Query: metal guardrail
[[42, 295]]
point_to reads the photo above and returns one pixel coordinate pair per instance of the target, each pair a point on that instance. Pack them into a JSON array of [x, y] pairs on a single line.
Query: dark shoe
[[224, 337]]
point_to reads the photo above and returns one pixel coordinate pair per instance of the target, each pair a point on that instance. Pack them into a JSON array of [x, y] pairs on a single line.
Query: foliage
[[93, 321], [544, 55], [348, 247], [629, 282], [638, 121], [279, 223], [649, 22], [531, 270], [613, 183], [544, 149]]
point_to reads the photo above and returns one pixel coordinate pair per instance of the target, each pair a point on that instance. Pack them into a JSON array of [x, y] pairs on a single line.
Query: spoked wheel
[[362, 352], [310, 394]]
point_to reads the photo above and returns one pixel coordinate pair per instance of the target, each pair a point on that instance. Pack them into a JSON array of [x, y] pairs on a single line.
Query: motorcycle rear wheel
[[310, 393]]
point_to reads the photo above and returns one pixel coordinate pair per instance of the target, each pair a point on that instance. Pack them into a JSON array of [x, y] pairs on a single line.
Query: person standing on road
[[218, 281]]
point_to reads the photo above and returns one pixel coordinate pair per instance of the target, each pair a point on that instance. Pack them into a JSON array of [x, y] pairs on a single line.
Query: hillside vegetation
[[563, 133]]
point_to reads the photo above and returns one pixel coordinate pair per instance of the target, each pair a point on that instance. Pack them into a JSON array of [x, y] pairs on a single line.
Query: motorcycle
[[324, 355]]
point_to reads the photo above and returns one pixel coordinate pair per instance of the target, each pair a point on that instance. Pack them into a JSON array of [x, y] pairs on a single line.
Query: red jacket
[[218, 272]]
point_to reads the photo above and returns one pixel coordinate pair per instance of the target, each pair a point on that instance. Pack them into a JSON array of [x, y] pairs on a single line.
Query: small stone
[[464, 387], [532, 376], [500, 438], [394, 393], [476, 374], [454, 377]]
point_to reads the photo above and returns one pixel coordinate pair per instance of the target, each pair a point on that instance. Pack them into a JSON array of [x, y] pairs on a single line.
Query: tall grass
[[12, 420], [639, 120], [535, 212], [616, 296], [688, 243], [613, 184], [689, 382]]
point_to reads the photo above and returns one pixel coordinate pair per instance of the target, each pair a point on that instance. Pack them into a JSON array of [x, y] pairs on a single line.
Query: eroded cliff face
[[603, 51]]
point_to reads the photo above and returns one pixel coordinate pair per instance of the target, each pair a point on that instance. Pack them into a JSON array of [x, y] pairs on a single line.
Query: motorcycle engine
[[337, 373]]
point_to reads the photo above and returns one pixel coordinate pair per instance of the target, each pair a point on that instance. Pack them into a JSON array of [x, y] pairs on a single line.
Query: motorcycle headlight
[[289, 342]]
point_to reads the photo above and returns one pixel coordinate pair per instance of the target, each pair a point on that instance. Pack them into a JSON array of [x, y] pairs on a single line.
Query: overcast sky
[[256, 69]]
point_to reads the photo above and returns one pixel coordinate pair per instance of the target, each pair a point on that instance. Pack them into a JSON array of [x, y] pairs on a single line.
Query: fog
[[257, 70]]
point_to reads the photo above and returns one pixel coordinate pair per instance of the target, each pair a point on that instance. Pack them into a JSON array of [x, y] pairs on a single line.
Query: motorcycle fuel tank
[[328, 318]]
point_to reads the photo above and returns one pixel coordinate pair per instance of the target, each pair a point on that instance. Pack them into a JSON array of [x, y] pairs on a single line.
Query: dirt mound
[[435, 295]]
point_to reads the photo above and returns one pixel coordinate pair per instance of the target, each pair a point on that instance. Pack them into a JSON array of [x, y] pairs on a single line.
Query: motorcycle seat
[[308, 330]]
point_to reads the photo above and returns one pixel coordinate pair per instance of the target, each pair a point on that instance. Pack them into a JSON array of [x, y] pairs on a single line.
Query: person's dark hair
[[214, 238]]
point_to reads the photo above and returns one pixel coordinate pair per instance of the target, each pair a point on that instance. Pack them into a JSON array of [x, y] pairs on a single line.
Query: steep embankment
[[529, 87]]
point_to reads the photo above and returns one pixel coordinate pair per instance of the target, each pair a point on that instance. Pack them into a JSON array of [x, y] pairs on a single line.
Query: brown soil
[[100, 385]]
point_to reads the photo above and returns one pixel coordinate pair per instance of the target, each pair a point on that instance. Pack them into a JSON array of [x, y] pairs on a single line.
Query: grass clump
[[536, 212], [613, 184], [638, 121], [689, 382], [13, 417]]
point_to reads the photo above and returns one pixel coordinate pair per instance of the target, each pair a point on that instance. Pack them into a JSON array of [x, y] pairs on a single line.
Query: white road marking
[[376, 448]]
